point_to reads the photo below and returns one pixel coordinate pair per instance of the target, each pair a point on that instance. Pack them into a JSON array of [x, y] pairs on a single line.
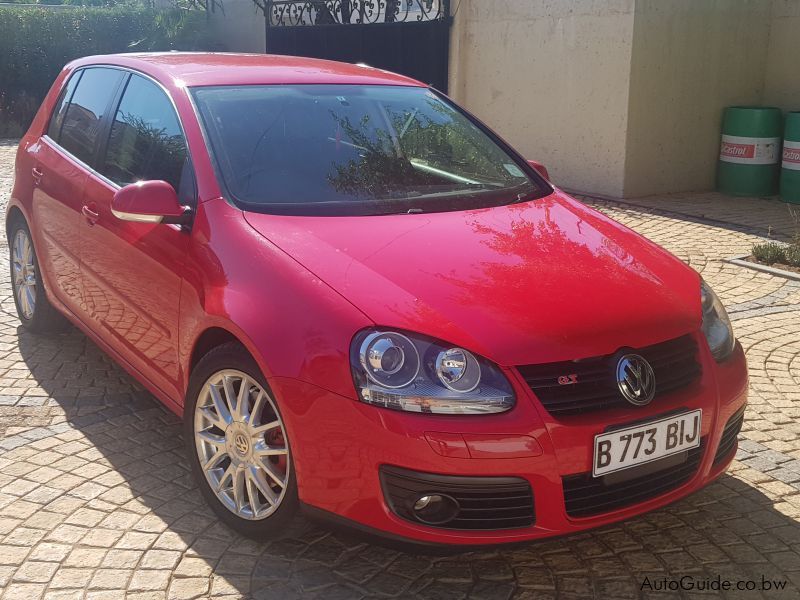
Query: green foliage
[[793, 254], [769, 253], [35, 43]]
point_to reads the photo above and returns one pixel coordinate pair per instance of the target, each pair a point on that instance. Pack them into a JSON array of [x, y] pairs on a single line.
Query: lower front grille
[[487, 503], [586, 496], [729, 436]]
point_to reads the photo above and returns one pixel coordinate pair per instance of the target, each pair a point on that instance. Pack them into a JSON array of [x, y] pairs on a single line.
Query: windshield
[[355, 150]]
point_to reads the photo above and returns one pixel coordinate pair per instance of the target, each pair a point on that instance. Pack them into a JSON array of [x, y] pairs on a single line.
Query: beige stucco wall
[[240, 28], [551, 76], [690, 59], [623, 98], [782, 86]]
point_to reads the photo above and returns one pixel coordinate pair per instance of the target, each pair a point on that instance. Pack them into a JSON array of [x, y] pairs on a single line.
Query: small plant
[[769, 253], [793, 255]]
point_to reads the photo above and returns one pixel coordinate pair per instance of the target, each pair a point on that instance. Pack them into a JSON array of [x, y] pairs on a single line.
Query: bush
[[793, 255], [35, 43], [769, 253]]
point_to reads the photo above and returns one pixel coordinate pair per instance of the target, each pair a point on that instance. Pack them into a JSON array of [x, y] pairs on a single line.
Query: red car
[[364, 303]]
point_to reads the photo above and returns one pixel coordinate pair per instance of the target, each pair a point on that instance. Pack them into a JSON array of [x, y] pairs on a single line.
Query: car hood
[[542, 281]]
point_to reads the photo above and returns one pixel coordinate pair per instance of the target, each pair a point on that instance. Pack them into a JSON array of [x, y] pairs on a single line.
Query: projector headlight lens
[[411, 372]]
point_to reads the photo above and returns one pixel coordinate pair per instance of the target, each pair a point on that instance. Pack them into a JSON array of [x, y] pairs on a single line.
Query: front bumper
[[340, 445]]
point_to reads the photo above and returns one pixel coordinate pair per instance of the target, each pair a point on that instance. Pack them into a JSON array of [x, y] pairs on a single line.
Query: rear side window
[[81, 127], [57, 118], [146, 140]]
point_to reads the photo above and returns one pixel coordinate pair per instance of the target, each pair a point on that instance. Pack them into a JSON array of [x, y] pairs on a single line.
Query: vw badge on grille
[[635, 379]]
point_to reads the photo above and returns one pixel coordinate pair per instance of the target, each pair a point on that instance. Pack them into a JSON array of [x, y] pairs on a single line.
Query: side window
[[57, 118], [146, 141], [85, 112]]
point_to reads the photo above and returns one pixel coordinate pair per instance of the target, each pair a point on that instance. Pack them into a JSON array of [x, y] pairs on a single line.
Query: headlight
[[418, 374], [716, 324]]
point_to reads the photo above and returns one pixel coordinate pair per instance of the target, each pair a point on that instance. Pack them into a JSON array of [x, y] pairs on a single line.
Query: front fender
[[294, 324]]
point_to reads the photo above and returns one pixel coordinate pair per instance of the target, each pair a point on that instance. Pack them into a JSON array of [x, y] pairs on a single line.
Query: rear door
[[132, 272], [61, 161]]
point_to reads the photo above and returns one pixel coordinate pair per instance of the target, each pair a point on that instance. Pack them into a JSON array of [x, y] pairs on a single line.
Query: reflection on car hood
[[542, 281]]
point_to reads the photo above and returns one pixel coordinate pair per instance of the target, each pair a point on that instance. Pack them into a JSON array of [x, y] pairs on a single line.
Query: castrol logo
[[738, 150], [750, 151], [791, 156]]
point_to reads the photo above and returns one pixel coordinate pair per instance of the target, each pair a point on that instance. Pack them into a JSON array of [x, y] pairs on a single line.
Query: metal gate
[[411, 37]]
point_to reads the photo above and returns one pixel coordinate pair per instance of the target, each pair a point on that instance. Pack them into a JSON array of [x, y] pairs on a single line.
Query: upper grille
[[674, 363], [585, 495], [729, 436], [484, 502]]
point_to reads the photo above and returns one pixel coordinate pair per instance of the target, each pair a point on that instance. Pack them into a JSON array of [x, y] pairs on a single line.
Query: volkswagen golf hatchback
[[364, 303]]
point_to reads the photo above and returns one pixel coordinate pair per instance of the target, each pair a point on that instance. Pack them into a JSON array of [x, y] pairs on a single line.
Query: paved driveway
[[96, 497]]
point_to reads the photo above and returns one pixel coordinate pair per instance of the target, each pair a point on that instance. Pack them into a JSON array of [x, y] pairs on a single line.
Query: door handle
[[91, 216], [37, 175]]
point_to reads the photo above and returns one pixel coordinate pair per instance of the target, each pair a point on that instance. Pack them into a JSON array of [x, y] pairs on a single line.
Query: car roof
[[216, 68]]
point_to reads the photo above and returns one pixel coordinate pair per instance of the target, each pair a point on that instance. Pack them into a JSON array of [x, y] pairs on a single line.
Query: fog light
[[435, 509]]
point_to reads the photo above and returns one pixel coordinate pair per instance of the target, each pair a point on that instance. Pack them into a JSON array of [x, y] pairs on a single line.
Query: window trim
[[104, 135], [77, 74]]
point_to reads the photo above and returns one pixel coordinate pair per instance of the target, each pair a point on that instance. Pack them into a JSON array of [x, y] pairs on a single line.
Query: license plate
[[633, 446]]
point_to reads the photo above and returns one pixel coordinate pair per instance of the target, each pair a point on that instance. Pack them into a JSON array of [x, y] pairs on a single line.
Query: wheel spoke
[[266, 427], [29, 297], [238, 488], [266, 466], [252, 494], [219, 404], [258, 405], [242, 401], [26, 251], [228, 474], [217, 441], [24, 301], [266, 450], [261, 483], [214, 460], [230, 397], [212, 417]]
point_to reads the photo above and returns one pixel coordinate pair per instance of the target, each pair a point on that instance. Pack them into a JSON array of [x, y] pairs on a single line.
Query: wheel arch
[[209, 339], [14, 214]]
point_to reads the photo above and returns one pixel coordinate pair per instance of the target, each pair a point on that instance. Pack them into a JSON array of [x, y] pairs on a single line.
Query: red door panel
[[132, 282], [57, 198]]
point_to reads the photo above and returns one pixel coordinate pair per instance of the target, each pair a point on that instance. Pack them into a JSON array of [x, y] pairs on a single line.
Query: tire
[[35, 312], [256, 512]]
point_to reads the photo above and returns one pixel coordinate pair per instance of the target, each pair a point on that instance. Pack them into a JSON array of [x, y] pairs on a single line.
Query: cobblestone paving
[[96, 499], [769, 216]]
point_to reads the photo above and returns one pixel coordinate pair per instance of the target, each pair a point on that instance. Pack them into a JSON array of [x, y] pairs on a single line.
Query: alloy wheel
[[241, 443], [24, 273]]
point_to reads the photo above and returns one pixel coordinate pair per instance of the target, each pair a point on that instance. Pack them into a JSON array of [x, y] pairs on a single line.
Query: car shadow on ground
[[120, 455]]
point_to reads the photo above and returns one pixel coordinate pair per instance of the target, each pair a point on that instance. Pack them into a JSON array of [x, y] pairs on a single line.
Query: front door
[[131, 271]]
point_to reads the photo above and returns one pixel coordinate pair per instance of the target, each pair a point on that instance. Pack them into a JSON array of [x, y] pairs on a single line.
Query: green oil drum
[[749, 157], [790, 168]]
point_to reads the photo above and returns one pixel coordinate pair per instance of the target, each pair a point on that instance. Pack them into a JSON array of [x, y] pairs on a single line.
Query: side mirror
[[148, 202], [539, 168]]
